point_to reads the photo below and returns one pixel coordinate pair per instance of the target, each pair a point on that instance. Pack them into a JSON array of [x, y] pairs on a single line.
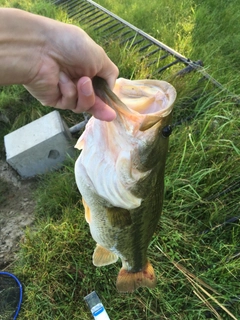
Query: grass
[[195, 255], [206, 30]]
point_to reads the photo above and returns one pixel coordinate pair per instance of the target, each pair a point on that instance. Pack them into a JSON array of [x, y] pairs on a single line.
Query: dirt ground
[[16, 211]]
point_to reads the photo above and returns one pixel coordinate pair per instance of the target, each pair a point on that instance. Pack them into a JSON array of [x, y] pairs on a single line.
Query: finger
[[86, 95], [68, 93], [47, 96], [89, 102], [102, 111]]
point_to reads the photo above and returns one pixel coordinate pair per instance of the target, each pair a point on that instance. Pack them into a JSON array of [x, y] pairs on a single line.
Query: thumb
[[89, 102], [86, 95]]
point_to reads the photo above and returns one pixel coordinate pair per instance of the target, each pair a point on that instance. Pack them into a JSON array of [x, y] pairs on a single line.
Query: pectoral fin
[[87, 211], [103, 257], [119, 217]]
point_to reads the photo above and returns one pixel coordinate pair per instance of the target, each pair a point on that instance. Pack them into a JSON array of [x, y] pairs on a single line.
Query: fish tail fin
[[130, 281]]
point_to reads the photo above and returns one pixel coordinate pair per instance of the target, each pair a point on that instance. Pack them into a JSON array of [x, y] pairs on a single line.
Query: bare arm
[[54, 61]]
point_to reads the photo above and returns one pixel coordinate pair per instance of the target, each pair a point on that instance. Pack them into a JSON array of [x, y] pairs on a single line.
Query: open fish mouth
[[146, 96], [139, 104]]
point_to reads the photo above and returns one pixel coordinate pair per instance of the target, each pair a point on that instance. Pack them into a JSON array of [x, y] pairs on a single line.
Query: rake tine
[[117, 30], [112, 26], [99, 15], [103, 25], [128, 39], [145, 47], [151, 53], [82, 6], [167, 66], [156, 60], [73, 14], [96, 22], [122, 35], [90, 15], [138, 41]]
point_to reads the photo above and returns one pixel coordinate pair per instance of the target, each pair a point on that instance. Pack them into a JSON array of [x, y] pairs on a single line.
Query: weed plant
[[195, 249]]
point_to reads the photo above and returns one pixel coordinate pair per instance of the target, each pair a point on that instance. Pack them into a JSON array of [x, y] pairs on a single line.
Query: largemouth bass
[[120, 175]]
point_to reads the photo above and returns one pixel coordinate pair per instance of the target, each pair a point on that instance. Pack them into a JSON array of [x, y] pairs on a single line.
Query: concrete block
[[39, 146]]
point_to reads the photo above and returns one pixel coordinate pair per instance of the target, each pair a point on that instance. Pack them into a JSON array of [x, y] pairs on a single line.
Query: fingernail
[[63, 78], [87, 88]]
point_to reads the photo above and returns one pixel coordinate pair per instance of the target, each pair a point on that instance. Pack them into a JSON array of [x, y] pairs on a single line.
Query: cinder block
[[39, 146]]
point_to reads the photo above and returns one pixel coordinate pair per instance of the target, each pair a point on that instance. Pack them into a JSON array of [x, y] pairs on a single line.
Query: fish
[[120, 175]]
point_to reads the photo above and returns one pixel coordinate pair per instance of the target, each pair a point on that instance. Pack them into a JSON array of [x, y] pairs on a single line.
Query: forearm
[[20, 49]]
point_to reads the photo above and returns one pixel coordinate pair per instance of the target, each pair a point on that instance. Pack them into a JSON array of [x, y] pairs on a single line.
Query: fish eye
[[166, 131]]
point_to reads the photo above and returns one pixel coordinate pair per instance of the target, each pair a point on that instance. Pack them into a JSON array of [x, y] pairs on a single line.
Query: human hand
[[56, 63]]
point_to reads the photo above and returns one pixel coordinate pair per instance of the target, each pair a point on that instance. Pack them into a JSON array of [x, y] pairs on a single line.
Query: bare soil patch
[[16, 211]]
